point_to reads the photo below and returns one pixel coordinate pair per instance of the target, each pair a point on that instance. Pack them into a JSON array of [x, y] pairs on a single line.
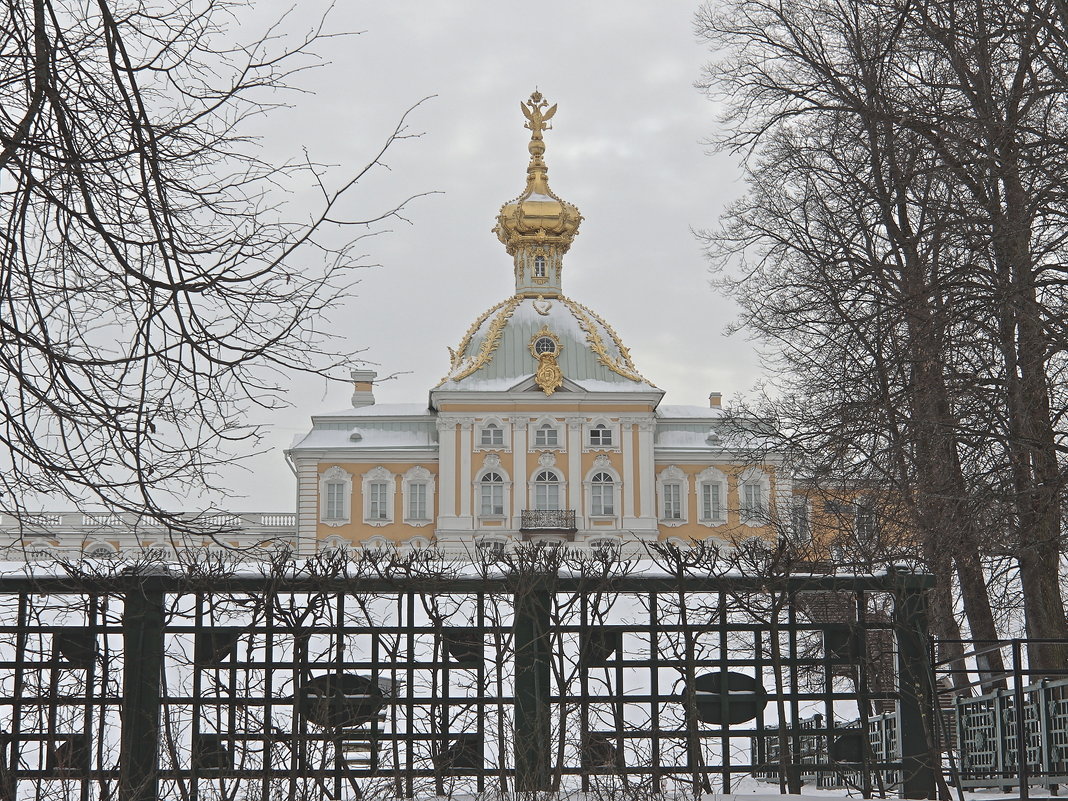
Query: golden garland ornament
[[622, 366], [461, 370]]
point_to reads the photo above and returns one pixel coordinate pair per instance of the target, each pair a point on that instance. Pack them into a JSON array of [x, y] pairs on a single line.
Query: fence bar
[[1021, 721], [532, 688], [142, 645], [916, 692]]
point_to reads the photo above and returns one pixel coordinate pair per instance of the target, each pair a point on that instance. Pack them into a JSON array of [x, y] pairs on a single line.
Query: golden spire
[[537, 227], [537, 121]]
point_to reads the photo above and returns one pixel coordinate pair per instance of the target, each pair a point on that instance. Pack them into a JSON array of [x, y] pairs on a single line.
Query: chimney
[[715, 400], [363, 387]]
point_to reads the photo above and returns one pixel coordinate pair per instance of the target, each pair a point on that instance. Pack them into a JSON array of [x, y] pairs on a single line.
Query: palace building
[[542, 430]]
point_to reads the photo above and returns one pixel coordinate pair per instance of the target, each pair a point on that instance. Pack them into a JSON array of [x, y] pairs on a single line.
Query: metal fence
[[374, 685], [1013, 736]]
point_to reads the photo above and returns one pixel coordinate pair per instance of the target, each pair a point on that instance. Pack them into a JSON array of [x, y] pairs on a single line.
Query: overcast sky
[[626, 148]]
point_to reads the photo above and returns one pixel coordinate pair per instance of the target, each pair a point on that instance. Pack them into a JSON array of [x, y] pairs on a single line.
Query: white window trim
[[561, 435], [612, 426], [379, 474], [331, 476], [561, 483], [491, 548], [606, 547], [335, 544], [801, 502], [506, 435], [712, 476], [476, 491], [617, 490], [418, 475], [99, 547], [865, 502], [755, 476], [673, 475]]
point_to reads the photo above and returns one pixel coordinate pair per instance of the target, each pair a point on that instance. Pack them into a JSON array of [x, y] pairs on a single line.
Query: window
[[752, 500], [335, 497], [672, 501], [546, 436], [673, 489], [544, 345], [539, 266], [799, 520], [867, 523], [602, 496], [491, 495], [418, 488], [546, 491], [378, 500], [492, 435], [417, 501], [491, 550], [334, 501], [711, 502], [601, 436]]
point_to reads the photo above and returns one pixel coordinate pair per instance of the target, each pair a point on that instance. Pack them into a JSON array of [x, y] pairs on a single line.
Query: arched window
[[602, 495], [546, 491], [539, 266], [491, 495], [545, 436]]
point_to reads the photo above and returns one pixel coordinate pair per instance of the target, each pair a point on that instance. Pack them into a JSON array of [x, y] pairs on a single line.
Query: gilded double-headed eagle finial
[[537, 120]]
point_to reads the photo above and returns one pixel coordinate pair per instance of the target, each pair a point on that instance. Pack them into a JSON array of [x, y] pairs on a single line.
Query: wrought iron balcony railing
[[548, 519]]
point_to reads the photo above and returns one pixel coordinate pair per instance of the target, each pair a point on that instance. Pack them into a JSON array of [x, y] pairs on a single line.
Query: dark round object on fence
[[729, 698], [334, 701], [849, 747]]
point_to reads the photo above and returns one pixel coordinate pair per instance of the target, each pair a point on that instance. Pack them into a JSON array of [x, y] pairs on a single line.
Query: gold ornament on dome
[[460, 369], [538, 216], [542, 306], [622, 366], [545, 347]]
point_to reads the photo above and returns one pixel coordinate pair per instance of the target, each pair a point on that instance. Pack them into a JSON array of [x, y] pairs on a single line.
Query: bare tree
[[915, 154], [152, 287]]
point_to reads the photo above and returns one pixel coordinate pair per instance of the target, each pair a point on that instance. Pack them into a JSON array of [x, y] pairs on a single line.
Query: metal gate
[[368, 682]]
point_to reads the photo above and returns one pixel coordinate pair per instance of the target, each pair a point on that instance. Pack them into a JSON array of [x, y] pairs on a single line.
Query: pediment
[[528, 384]]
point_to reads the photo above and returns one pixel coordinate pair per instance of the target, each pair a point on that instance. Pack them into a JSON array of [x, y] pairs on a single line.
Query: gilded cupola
[[537, 227]]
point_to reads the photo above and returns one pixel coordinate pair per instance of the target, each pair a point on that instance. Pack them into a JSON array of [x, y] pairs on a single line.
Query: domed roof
[[512, 341]]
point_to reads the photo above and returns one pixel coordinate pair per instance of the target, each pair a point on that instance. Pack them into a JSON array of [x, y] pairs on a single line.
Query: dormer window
[[492, 435], [539, 266], [601, 436]]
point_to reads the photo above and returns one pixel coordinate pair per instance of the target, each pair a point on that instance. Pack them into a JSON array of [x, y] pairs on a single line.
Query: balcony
[[548, 520]]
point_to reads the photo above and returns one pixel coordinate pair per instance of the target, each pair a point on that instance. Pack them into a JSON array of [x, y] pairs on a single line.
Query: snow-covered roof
[[381, 410], [669, 411], [368, 439]]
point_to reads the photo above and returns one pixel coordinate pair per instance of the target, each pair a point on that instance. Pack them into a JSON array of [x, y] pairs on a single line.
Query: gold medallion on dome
[[545, 347]]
